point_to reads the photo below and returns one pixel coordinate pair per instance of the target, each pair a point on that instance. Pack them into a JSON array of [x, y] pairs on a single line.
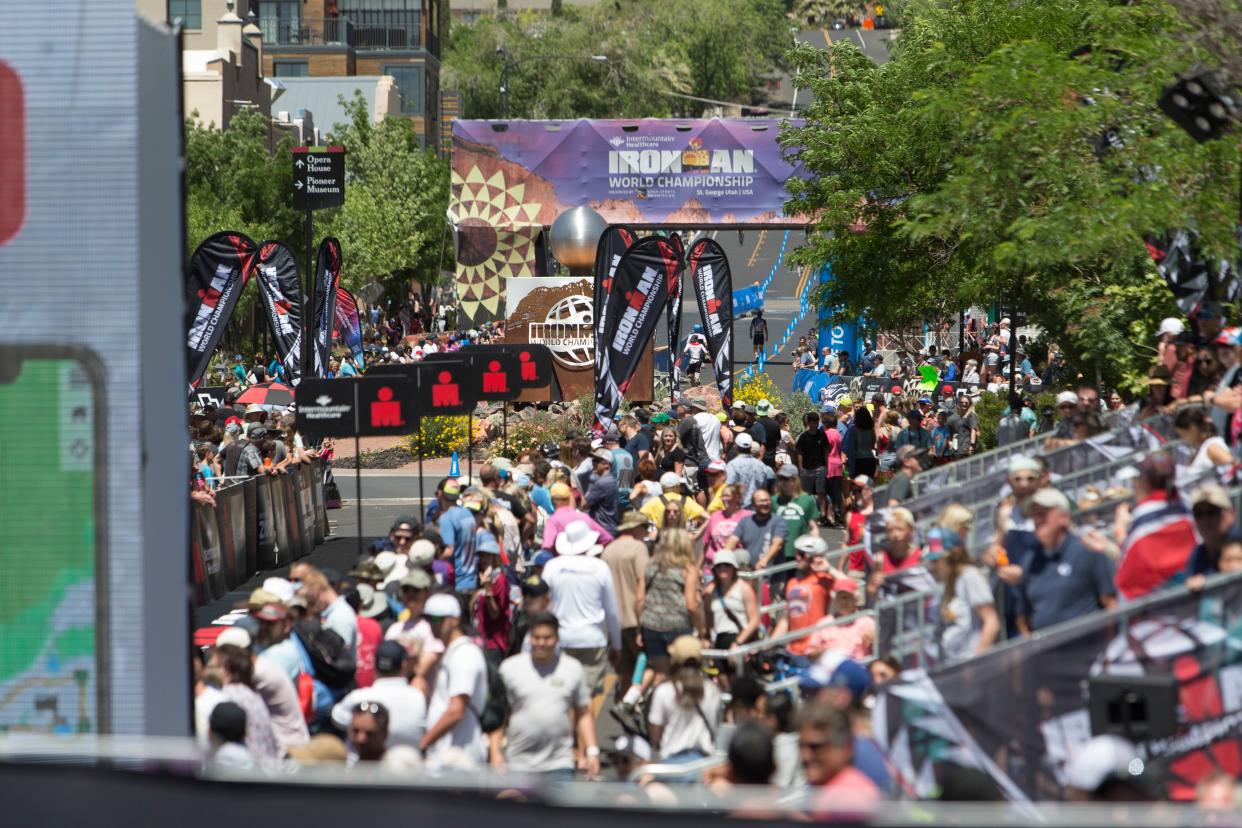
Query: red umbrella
[[274, 394]]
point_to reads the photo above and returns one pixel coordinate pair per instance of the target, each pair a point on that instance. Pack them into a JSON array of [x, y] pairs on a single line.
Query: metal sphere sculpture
[[574, 236]]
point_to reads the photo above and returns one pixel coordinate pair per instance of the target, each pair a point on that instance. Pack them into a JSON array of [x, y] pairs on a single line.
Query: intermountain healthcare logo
[[215, 300]]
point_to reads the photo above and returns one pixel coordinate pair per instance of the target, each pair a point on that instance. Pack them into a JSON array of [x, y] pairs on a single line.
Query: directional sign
[[318, 177]]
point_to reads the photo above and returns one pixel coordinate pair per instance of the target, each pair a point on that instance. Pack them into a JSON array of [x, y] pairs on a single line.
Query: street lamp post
[[506, 62]]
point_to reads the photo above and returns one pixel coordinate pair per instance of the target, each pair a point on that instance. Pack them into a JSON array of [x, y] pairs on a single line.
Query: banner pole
[[470, 446], [422, 501], [504, 425], [358, 487], [308, 301]]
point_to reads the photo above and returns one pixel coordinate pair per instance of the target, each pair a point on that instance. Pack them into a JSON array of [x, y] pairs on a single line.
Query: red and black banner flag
[[280, 290], [1193, 277], [640, 290], [219, 270], [612, 246], [327, 280], [713, 284], [350, 325], [674, 321]]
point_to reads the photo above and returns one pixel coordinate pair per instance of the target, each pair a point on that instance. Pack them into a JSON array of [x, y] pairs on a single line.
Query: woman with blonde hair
[[957, 517], [966, 618], [668, 453], [668, 597]]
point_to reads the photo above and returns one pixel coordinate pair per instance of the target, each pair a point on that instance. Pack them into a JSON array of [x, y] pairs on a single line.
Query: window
[[189, 12], [290, 68], [410, 84], [281, 22]]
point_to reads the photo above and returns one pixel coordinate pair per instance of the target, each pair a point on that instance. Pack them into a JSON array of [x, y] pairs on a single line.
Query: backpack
[[331, 662], [496, 711]]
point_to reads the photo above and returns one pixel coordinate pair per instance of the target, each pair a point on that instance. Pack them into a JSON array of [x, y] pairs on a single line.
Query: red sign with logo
[[12, 153]]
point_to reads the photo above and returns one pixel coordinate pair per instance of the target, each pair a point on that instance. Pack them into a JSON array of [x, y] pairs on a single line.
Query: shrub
[[542, 427], [759, 386], [797, 405], [440, 437]]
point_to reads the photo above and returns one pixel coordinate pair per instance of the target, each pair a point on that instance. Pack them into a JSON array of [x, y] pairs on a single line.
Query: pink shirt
[[854, 640], [562, 517], [836, 461], [850, 796], [718, 531]]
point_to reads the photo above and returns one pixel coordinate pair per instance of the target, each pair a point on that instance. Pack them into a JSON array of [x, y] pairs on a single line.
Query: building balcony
[[377, 31]]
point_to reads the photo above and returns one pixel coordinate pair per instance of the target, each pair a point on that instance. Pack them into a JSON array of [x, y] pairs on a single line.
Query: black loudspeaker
[[1136, 708]]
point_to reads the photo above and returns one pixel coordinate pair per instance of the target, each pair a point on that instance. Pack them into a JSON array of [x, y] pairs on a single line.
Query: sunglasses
[[373, 708], [403, 538], [815, 746]]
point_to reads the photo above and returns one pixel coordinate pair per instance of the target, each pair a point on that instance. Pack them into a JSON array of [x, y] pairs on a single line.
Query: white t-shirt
[[407, 709], [1202, 461], [960, 637], [417, 628], [684, 728], [709, 427], [541, 700], [696, 351], [462, 672], [584, 601]]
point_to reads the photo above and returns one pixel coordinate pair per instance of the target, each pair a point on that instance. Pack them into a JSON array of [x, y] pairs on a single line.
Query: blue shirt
[[950, 372], [1063, 584], [457, 530], [540, 496], [348, 370]]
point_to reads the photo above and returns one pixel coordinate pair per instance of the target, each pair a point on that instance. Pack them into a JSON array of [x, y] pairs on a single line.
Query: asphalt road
[[752, 257], [874, 45]]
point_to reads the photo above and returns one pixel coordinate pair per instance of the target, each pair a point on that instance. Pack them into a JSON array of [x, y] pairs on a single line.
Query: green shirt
[[798, 512]]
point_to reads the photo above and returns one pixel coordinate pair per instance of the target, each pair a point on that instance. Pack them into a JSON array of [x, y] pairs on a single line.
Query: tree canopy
[[390, 227], [717, 49], [1014, 153]]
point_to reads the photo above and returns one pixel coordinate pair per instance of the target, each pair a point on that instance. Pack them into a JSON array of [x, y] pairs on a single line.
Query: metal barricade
[[209, 549], [250, 561], [231, 520]]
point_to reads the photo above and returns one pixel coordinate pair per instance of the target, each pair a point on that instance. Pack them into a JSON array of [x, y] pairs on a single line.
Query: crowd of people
[[625, 577], [619, 573]]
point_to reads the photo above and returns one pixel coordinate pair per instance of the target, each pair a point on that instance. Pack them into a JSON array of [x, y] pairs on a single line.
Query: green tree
[[391, 227], [706, 48], [969, 170]]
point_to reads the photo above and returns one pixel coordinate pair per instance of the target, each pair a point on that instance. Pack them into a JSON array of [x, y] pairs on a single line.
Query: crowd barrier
[[256, 525]]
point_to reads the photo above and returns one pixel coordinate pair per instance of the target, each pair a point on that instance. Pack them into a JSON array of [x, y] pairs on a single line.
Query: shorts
[[656, 642], [594, 661], [814, 481], [723, 641], [759, 340]]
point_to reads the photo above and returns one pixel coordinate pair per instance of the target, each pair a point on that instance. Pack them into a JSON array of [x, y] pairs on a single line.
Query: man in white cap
[[584, 601], [709, 428], [460, 694], [670, 484], [747, 470], [1062, 579]]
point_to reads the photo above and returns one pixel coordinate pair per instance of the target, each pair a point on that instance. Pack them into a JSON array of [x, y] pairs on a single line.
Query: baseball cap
[[835, 670], [925, 399], [1067, 398], [693, 404], [1170, 325], [442, 605], [659, 419], [1021, 463], [535, 587], [669, 480], [940, 540], [602, 454], [544, 557], [763, 408], [716, 466], [389, 656], [235, 636], [612, 436], [811, 545], [1050, 498], [744, 441], [261, 597], [416, 579], [485, 544], [561, 491], [862, 481], [788, 471], [452, 488], [270, 612], [422, 553], [725, 557], [838, 584], [845, 402]]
